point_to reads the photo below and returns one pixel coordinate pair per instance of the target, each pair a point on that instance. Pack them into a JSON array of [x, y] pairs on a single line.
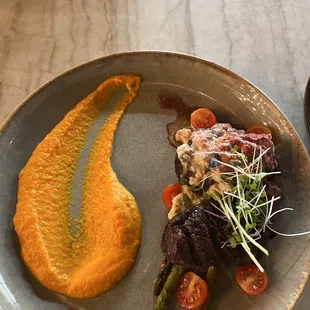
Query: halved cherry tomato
[[259, 129], [192, 291], [169, 192], [202, 118], [251, 279]]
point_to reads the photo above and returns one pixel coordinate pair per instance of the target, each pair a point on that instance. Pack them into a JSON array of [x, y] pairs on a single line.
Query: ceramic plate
[[144, 163]]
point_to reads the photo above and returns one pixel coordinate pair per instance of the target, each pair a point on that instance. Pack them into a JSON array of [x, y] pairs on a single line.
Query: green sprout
[[246, 207]]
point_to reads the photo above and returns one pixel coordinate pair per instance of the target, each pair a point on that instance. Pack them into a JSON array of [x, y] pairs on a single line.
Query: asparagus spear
[[162, 277], [169, 287], [210, 277]]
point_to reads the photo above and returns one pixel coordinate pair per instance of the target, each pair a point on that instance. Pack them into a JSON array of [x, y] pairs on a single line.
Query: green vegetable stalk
[[210, 278], [169, 287], [162, 276]]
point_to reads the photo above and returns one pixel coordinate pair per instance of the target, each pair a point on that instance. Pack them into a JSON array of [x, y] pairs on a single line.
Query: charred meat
[[195, 239]]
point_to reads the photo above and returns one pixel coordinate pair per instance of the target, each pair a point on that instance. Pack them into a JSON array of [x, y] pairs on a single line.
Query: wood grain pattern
[[267, 42]]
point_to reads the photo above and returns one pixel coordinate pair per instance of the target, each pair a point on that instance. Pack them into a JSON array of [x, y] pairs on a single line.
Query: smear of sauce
[[171, 101], [95, 259]]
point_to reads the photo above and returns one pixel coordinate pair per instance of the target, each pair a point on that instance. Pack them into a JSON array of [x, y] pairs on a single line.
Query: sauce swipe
[[91, 262], [171, 101]]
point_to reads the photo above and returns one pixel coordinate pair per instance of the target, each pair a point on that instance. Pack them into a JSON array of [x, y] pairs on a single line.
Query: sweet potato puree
[[92, 260]]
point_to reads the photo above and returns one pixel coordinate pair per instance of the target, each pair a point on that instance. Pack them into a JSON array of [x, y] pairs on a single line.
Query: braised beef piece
[[186, 240], [237, 254], [194, 239]]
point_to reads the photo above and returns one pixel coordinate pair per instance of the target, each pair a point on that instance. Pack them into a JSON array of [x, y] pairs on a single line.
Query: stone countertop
[[265, 41]]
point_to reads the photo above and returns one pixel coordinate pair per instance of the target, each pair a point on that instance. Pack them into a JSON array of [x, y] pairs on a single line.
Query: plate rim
[[142, 52], [307, 108], [306, 273]]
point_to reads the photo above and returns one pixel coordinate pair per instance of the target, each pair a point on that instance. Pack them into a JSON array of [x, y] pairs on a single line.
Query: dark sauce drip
[[171, 101]]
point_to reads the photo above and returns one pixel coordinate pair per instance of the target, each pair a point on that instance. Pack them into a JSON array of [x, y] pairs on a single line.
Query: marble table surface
[[265, 41]]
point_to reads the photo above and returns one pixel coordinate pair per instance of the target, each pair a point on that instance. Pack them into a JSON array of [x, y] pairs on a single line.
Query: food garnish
[[251, 279], [246, 207], [169, 192], [99, 253], [192, 291], [202, 118]]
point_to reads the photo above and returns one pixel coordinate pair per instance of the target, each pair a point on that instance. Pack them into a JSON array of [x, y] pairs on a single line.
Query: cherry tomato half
[[169, 192], [192, 291], [259, 129], [202, 118], [251, 279]]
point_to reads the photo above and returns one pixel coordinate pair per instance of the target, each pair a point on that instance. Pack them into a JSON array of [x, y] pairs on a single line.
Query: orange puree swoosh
[[92, 261]]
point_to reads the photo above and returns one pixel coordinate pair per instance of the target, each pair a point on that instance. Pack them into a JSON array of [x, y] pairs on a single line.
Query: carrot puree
[[94, 259]]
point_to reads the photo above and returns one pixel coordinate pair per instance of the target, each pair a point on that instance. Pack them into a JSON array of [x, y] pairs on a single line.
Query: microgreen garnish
[[246, 207]]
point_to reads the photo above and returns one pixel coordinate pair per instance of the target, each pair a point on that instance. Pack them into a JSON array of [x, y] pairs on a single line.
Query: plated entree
[[220, 211]]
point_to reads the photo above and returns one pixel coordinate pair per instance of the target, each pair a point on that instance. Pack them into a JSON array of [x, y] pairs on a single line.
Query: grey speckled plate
[[143, 160]]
